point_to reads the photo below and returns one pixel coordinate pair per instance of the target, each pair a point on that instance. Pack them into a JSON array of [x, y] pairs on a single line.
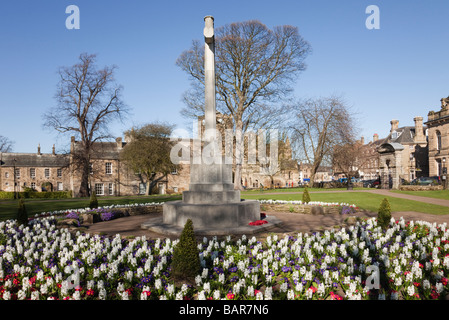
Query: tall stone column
[[211, 201], [209, 79]]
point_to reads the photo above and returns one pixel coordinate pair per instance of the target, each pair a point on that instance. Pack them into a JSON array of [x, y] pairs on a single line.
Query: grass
[[296, 189], [364, 200], [438, 194], [8, 209]]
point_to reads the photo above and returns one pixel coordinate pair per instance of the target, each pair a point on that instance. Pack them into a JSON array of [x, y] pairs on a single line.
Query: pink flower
[[335, 296]]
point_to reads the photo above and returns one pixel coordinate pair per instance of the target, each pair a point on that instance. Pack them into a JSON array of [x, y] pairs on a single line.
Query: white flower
[[411, 290], [6, 295], [201, 295]]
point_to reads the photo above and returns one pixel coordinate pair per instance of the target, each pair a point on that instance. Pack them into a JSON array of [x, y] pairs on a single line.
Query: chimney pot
[[394, 125]]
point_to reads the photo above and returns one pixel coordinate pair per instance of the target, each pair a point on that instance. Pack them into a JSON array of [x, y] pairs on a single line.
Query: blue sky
[[396, 72]]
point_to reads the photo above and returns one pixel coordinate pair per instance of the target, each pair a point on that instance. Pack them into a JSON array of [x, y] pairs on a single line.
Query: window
[[99, 189], [59, 173], [6, 174], [33, 185], [111, 188], [33, 173], [142, 188], [108, 167], [60, 186], [17, 172], [438, 134], [91, 168], [47, 173], [174, 171]]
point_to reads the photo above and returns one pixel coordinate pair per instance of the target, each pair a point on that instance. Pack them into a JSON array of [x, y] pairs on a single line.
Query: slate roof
[[33, 160], [103, 150], [405, 135]]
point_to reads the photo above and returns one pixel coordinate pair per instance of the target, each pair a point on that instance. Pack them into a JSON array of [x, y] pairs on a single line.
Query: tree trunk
[[84, 186]]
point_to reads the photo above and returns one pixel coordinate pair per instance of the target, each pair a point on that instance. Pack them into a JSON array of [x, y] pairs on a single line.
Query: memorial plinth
[[211, 202]]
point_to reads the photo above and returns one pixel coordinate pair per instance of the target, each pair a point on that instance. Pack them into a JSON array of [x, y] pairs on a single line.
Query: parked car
[[373, 183], [368, 183], [437, 179], [425, 181]]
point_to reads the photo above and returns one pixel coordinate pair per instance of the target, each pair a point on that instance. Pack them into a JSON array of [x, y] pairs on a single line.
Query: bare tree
[[5, 144], [255, 68], [317, 127], [148, 153], [88, 99], [348, 159]]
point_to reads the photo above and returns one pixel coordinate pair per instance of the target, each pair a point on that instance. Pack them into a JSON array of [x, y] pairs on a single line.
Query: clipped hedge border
[[36, 195]]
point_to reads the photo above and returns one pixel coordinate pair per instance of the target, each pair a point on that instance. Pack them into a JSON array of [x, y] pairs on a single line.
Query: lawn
[[8, 208], [363, 200], [438, 194], [296, 189]]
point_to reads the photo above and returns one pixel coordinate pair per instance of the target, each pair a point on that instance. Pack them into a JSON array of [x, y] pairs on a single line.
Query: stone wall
[[419, 188], [304, 209]]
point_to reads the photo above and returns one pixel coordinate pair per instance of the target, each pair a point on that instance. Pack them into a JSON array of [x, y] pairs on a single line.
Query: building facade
[[438, 134], [37, 171], [403, 154]]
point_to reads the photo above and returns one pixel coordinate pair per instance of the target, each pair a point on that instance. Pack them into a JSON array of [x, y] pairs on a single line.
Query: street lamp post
[[444, 174]]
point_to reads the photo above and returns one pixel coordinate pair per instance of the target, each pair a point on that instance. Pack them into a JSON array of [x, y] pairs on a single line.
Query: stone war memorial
[[211, 202]]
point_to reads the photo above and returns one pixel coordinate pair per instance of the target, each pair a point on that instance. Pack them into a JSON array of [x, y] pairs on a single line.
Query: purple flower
[[72, 215], [106, 216]]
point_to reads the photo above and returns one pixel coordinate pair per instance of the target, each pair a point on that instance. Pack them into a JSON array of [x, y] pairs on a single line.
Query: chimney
[[419, 133], [53, 150], [72, 144], [119, 142], [394, 125], [362, 140], [39, 149], [375, 137]]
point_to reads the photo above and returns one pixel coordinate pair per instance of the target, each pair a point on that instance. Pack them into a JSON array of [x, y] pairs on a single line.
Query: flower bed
[[313, 207], [41, 261]]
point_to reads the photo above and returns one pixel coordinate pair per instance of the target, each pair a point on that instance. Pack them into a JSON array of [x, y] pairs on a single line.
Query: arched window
[[438, 134]]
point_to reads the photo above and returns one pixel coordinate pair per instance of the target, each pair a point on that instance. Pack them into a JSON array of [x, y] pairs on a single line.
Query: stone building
[[58, 172], [438, 135], [403, 154], [37, 171], [110, 176]]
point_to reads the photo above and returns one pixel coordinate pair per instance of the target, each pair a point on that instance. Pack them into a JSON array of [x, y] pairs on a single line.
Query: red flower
[[258, 222], [230, 296], [148, 293], [313, 289], [335, 296], [90, 292], [444, 281]]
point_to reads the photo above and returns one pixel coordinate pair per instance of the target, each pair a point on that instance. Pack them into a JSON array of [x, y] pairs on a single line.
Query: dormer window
[[394, 135]]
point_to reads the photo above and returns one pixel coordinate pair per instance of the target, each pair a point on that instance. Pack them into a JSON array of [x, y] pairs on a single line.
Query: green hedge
[[37, 195]]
